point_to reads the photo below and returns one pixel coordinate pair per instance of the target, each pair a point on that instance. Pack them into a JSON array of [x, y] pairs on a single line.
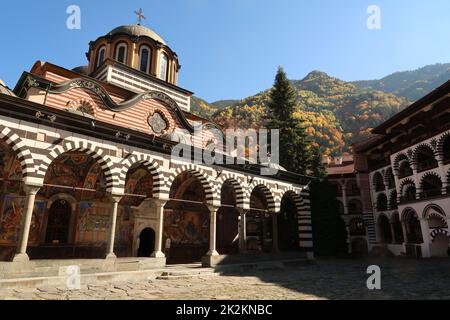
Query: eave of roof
[[22, 109]]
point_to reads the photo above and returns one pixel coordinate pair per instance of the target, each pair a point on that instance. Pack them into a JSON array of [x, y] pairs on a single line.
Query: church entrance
[[146, 243], [58, 223]]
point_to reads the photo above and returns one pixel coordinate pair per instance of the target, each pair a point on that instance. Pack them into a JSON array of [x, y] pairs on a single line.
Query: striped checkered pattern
[[437, 232], [265, 188], [234, 180], [369, 222], [23, 154], [440, 144], [209, 187], [82, 146], [397, 160], [160, 190], [303, 204]]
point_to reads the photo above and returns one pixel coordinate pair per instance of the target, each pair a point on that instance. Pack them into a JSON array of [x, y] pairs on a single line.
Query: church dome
[[137, 30], [137, 47]]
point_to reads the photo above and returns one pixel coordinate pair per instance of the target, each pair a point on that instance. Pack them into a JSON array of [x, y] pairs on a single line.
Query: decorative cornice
[[101, 92]]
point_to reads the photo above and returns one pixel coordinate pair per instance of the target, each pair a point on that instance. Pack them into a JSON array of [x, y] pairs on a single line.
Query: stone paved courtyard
[[327, 279]]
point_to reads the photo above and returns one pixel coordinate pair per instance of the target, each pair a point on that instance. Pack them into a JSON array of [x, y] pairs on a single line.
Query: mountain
[[336, 113], [410, 84]]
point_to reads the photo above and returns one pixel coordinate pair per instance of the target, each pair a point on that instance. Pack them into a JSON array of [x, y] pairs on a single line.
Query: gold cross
[[140, 15]]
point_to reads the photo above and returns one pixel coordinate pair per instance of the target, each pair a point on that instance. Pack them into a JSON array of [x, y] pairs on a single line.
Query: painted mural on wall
[[74, 170], [93, 222], [10, 220], [125, 226], [186, 227], [10, 170], [138, 186]]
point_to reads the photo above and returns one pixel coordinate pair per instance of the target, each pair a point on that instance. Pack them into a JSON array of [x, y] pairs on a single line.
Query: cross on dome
[[140, 15]]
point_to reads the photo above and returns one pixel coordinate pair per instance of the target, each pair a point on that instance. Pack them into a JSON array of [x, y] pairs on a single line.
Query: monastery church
[[86, 169]]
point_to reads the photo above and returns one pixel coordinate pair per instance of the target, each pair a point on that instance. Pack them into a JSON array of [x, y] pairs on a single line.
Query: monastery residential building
[[397, 186], [86, 169]]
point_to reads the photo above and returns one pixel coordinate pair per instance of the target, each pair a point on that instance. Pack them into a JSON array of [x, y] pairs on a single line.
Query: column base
[[158, 254], [212, 253], [111, 256], [209, 261], [21, 257]]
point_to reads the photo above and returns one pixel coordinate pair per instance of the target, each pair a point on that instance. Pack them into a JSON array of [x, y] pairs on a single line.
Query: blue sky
[[231, 48]]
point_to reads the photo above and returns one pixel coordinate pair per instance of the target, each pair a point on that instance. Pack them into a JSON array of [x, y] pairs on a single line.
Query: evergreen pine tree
[[317, 167], [294, 148]]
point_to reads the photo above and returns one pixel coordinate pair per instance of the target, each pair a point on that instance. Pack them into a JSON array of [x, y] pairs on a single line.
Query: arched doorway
[[58, 223], [438, 226], [287, 221], [146, 243], [413, 228], [228, 221], [138, 188], [186, 220], [259, 222]]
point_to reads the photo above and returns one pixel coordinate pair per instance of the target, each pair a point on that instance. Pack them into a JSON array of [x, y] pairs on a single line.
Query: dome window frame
[[119, 46], [101, 56], [149, 58], [163, 72]]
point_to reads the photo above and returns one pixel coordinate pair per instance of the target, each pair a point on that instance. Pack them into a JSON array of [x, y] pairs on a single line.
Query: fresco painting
[[10, 220]]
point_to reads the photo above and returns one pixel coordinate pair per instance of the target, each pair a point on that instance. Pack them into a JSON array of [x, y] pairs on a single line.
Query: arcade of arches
[[73, 215]]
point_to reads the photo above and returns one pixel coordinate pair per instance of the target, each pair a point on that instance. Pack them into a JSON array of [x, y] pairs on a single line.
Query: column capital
[[115, 198], [159, 202], [213, 208], [31, 189]]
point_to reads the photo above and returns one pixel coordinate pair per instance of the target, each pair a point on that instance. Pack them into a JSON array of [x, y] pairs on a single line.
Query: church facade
[[86, 167]]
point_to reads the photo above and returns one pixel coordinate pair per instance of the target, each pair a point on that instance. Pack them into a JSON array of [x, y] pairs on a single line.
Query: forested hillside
[[336, 113]]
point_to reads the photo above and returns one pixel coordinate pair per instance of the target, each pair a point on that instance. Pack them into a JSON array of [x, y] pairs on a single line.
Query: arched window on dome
[[121, 52], [145, 54], [100, 57], [163, 67]]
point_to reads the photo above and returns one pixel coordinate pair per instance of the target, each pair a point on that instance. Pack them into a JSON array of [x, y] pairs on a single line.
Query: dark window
[[58, 222]]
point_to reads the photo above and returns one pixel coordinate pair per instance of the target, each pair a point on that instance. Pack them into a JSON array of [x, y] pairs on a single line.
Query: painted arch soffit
[[98, 89]]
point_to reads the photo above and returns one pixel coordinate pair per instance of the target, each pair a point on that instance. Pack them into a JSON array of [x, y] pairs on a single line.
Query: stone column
[[113, 222], [426, 238], [159, 206], [405, 232], [275, 247], [242, 231], [21, 253], [392, 233], [212, 231]]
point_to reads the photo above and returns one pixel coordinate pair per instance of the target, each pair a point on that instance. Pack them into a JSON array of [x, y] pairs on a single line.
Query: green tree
[[317, 167], [294, 148]]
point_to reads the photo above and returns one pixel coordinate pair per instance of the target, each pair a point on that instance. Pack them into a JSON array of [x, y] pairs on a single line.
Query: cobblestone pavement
[[327, 279]]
